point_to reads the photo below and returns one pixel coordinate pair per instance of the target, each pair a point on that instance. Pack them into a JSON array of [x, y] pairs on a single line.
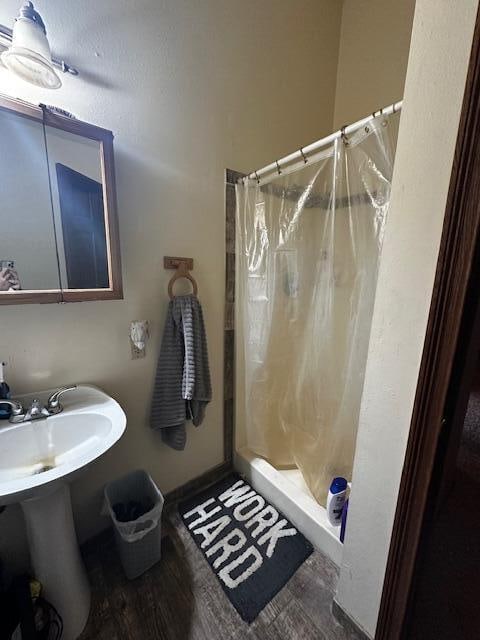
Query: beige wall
[[188, 88], [437, 68], [375, 40]]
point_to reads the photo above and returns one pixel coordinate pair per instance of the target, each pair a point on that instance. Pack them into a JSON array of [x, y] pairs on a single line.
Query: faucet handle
[[17, 407], [53, 402]]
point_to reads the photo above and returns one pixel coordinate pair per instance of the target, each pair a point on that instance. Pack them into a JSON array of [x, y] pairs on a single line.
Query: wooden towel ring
[[182, 271]]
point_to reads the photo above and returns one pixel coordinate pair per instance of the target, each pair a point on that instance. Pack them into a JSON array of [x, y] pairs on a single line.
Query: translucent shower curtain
[[308, 246]]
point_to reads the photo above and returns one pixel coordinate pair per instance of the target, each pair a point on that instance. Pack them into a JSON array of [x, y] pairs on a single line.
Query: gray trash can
[[138, 540]]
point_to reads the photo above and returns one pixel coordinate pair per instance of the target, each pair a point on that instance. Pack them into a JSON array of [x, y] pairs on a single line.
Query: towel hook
[[182, 268]]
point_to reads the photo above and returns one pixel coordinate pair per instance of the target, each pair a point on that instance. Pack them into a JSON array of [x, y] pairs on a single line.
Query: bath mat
[[250, 546]]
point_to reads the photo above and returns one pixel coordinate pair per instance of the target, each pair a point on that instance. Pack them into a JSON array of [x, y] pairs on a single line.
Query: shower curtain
[[308, 247]]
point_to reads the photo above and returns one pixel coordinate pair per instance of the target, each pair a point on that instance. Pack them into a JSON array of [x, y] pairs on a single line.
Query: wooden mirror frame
[[46, 117]]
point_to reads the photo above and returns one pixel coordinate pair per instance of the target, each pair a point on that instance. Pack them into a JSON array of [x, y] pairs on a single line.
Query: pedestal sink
[[38, 460]]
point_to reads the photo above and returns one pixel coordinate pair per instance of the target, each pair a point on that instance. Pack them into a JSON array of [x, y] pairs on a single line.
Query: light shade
[[29, 56]]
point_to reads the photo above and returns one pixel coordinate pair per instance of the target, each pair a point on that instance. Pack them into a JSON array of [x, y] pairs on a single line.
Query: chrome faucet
[[37, 411], [18, 412]]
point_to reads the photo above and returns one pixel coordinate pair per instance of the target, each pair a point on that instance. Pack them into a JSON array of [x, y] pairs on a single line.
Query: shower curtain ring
[[344, 136], [278, 167], [305, 159], [256, 177]]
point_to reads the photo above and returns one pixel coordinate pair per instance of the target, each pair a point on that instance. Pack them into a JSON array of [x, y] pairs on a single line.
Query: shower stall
[[308, 242]]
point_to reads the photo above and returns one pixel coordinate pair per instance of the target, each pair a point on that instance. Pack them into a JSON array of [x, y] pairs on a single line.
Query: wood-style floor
[[180, 599]]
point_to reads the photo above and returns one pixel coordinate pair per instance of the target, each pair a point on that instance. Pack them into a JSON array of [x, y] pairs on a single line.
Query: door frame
[[446, 370]]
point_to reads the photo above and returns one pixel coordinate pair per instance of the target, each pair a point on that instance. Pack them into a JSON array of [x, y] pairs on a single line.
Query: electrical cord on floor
[[53, 627]]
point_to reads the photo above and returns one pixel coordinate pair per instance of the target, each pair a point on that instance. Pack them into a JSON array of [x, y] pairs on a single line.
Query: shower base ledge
[[300, 508]]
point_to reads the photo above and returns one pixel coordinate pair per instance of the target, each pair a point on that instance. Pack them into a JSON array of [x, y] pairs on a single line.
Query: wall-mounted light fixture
[[27, 52]]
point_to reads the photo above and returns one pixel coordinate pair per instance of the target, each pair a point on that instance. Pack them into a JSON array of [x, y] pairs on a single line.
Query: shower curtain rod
[[304, 152]]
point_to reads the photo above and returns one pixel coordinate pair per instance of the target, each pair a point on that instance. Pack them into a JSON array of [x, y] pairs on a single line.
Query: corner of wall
[[373, 56], [336, 106]]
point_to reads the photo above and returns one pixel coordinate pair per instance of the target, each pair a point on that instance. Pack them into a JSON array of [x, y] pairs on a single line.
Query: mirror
[[27, 239], [78, 209], [59, 230]]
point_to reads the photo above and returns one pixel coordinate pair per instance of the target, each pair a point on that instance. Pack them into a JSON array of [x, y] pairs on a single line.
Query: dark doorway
[[83, 226], [445, 600]]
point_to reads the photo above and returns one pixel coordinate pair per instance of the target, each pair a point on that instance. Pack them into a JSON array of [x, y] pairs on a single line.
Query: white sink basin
[[36, 456], [37, 461]]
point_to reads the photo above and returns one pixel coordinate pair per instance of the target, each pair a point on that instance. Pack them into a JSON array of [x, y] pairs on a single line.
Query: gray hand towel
[[182, 384]]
